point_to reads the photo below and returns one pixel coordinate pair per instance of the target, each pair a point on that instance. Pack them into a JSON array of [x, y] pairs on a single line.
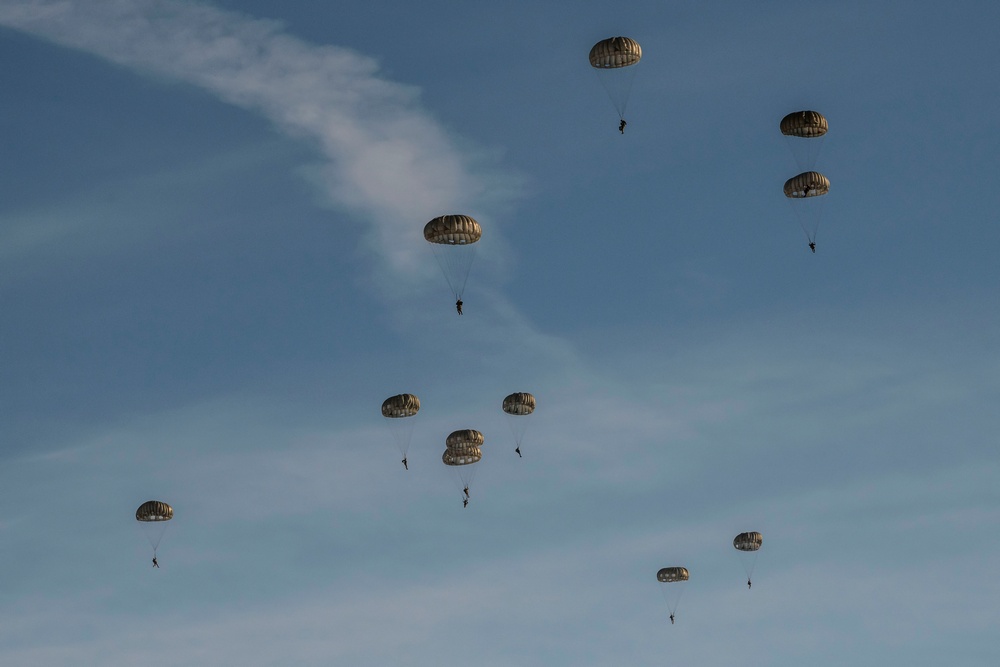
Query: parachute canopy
[[748, 541], [519, 404], [400, 405], [807, 184], [154, 510], [669, 575], [453, 230], [805, 124], [615, 52], [462, 457], [464, 439], [453, 238]]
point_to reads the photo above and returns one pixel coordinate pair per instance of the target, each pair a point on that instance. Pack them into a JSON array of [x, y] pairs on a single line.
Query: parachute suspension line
[[629, 79], [749, 564], [467, 266], [800, 218], [154, 516], [805, 151], [517, 429], [618, 86], [456, 264], [672, 596], [154, 533], [610, 56], [453, 239]]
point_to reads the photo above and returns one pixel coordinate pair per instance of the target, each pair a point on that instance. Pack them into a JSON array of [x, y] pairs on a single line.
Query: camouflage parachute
[[615, 52], [453, 239], [748, 541], [804, 124], [613, 60], [669, 575], [463, 439], [153, 511], [807, 184], [519, 404], [452, 230], [399, 411], [153, 516], [462, 457], [400, 405], [748, 544], [463, 450], [672, 594]]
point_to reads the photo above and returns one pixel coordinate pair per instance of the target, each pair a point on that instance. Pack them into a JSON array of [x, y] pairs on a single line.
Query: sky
[[212, 273]]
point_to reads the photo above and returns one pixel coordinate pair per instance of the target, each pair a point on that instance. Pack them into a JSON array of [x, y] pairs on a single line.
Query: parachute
[[676, 576], [670, 575], [804, 131], [462, 457], [614, 59], [460, 440], [748, 541], [807, 184], [399, 411], [453, 238], [748, 544], [153, 516], [462, 452], [400, 406], [804, 124], [805, 192], [518, 405]]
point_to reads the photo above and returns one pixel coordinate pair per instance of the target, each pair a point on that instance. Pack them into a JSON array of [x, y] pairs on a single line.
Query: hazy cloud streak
[[388, 160]]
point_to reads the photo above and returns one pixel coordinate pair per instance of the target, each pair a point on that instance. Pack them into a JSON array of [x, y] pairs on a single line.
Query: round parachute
[[463, 449], [153, 516], [462, 457], [453, 239], [748, 544], [400, 405], [669, 575], [672, 594], [154, 510], [399, 411], [519, 404], [460, 440], [805, 124], [748, 541], [615, 52], [807, 184], [453, 230], [612, 60]]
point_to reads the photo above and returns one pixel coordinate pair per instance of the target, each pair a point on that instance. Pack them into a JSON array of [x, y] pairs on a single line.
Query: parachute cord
[[458, 261], [618, 94], [753, 564]]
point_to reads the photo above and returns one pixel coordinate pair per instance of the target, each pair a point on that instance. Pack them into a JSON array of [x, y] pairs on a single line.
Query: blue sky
[[212, 273]]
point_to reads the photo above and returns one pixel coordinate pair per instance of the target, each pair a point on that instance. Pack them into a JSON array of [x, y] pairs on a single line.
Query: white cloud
[[388, 160]]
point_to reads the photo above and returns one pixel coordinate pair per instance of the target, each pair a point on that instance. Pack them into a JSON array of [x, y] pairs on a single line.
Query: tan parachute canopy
[[669, 575], [464, 438], [805, 124], [807, 184], [748, 541], [400, 405], [462, 457], [615, 52], [453, 230], [154, 510], [519, 403]]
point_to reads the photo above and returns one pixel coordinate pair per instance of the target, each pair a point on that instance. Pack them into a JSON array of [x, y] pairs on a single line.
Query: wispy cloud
[[387, 159]]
